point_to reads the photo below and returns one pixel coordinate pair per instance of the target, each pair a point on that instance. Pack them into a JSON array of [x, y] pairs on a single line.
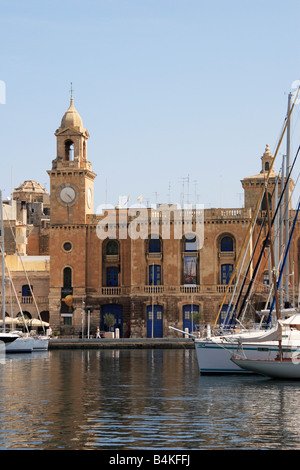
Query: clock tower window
[[69, 150]]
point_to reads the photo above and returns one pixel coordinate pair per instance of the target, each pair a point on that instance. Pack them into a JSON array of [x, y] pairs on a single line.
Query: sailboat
[[6, 338], [23, 343], [279, 367], [214, 353], [288, 368]]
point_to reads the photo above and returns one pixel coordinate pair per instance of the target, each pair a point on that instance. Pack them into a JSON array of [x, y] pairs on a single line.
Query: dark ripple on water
[[140, 400]]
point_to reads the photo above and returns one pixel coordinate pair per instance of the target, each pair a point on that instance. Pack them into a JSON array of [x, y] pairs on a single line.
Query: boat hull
[[214, 357], [20, 345], [7, 338], [272, 368], [41, 343]]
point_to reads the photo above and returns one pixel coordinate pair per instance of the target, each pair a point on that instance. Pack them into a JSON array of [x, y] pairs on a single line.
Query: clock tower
[[71, 177], [71, 200]]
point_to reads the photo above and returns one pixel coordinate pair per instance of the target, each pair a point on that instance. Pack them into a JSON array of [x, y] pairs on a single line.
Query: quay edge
[[122, 343]]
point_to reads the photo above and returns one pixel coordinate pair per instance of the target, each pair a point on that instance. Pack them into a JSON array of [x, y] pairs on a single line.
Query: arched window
[[67, 278], [267, 166], [69, 150], [26, 290], [112, 248], [227, 244], [264, 202], [190, 244], [154, 245]]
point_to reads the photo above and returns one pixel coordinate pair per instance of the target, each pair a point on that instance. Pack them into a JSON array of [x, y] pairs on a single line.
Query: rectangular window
[[226, 271], [112, 276], [190, 270], [155, 275]]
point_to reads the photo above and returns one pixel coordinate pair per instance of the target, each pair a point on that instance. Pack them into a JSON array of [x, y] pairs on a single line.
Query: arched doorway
[[117, 311]]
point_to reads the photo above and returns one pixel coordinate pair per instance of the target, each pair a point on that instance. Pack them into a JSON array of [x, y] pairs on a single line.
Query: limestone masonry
[[148, 268]]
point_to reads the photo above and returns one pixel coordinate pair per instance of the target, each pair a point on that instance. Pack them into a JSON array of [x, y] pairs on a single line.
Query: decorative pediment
[[70, 131]]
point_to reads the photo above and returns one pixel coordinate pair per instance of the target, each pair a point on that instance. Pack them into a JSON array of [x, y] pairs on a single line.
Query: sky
[[180, 97]]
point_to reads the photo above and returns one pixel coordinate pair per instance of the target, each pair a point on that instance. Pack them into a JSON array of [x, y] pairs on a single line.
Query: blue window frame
[[154, 245], [155, 275], [26, 292], [227, 244], [226, 271], [112, 276]]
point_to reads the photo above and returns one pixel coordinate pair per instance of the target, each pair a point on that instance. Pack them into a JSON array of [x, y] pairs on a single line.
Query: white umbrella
[[10, 321], [37, 322]]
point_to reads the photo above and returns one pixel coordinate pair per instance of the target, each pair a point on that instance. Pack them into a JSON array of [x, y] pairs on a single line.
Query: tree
[[197, 317], [109, 320]]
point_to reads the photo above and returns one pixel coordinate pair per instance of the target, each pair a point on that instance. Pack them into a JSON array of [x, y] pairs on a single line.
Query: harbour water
[[140, 399]]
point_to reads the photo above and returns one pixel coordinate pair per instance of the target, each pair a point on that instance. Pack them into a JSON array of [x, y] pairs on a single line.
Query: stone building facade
[[150, 268], [26, 234]]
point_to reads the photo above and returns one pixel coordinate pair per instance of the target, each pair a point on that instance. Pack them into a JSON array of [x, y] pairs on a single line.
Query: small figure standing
[[98, 333]]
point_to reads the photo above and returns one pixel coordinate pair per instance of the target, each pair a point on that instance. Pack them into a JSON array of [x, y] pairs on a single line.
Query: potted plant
[[109, 321], [197, 317]]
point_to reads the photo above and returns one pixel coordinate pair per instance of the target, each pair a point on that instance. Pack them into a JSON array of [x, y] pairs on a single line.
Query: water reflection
[[148, 399]]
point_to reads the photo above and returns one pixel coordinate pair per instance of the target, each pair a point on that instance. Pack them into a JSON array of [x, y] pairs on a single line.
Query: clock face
[[89, 197], [67, 194]]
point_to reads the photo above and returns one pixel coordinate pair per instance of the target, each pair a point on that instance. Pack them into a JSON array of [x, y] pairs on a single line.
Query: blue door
[[188, 311], [225, 316], [112, 275], [154, 321], [117, 311], [155, 275], [226, 271]]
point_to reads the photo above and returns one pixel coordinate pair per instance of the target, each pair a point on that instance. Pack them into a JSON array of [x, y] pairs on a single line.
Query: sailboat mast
[[287, 195], [273, 265], [281, 223], [3, 265]]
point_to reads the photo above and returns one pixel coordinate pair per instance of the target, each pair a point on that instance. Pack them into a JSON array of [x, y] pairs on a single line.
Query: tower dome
[[71, 117]]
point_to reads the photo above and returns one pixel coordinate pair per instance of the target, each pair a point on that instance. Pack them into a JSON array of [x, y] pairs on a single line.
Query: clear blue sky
[[168, 89]]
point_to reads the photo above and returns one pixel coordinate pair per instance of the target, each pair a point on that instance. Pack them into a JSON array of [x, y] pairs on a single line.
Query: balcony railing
[[210, 289], [177, 289], [23, 300], [163, 289]]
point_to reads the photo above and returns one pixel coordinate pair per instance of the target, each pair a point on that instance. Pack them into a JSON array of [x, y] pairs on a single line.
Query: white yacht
[[8, 338], [214, 353], [23, 344]]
